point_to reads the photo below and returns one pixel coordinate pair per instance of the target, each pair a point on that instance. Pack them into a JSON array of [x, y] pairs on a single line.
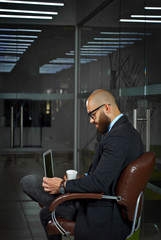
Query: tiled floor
[[19, 216]]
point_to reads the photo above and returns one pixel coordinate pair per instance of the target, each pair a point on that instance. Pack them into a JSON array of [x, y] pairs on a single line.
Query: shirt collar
[[114, 121]]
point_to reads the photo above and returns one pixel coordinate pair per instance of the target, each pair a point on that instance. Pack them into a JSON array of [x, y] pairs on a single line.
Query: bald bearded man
[[120, 144]]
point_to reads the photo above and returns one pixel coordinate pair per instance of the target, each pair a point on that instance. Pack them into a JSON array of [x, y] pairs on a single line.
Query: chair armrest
[[71, 196]]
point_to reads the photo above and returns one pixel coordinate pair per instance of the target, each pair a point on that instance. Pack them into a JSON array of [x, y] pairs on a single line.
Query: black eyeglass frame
[[90, 113]]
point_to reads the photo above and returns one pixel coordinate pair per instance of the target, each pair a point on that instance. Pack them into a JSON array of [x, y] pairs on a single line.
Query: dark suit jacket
[[101, 219]]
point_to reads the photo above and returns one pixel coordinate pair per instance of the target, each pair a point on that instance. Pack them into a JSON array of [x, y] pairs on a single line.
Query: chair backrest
[[132, 181]]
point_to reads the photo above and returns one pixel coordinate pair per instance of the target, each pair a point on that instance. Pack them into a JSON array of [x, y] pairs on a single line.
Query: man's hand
[[51, 185]]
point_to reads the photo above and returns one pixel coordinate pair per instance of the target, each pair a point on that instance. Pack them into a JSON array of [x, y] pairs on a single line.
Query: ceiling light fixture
[[97, 52], [16, 47], [140, 21], [16, 52], [16, 40], [18, 36], [53, 68], [110, 43], [99, 49], [6, 67], [71, 60], [152, 8], [87, 60], [13, 47], [19, 51], [19, 30], [35, 3], [69, 54], [16, 44], [146, 16], [93, 54], [118, 39], [125, 33], [24, 16], [91, 46], [9, 59], [26, 11], [86, 54], [62, 60]]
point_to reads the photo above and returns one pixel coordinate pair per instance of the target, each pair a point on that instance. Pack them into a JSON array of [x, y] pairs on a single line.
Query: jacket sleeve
[[112, 159]]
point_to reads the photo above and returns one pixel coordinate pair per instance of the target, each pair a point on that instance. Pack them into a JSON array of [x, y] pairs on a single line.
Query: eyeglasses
[[91, 115]]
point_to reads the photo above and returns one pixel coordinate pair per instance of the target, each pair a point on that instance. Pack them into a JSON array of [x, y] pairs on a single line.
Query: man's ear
[[107, 108]]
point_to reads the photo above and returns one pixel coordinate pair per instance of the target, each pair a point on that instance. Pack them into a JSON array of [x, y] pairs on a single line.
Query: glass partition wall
[[36, 94], [122, 44]]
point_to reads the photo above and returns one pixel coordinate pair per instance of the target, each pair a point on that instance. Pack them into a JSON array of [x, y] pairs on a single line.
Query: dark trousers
[[32, 186]]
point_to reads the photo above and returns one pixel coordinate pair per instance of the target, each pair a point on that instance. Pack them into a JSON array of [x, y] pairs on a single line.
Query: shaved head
[[106, 100], [99, 97]]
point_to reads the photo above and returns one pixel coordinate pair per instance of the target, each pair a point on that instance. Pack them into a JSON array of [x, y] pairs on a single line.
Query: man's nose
[[91, 120]]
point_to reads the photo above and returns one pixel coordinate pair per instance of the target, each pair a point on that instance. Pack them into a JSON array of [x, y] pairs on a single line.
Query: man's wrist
[[61, 187]]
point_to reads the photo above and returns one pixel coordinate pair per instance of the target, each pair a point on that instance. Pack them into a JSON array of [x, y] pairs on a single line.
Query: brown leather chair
[[129, 196]]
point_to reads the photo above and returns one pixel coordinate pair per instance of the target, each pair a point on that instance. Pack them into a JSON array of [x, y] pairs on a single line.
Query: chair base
[[68, 225]]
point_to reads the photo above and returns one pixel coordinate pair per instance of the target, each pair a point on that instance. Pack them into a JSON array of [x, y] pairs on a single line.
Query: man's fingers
[[45, 185], [46, 189]]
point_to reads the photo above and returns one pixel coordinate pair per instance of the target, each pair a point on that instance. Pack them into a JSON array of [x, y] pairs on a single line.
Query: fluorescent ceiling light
[[24, 16], [16, 52], [62, 60], [87, 60], [110, 43], [6, 67], [82, 60], [9, 59], [10, 46], [12, 49], [96, 52], [152, 8], [99, 49], [140, 21], [91, 46], [71, 60], [16, 40], [26, 11], [69, 54], [55, 65], [86, 54], [125, 33], [118, 39], [53, 68], [35, 3], [146, 16], [16, 44], [18, 36], [7, 64], [93, 54], [20, 30]]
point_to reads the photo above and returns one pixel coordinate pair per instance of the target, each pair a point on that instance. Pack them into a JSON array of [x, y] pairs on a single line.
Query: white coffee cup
[[71, 174]]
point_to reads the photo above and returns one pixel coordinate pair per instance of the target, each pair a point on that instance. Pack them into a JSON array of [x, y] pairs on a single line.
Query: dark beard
[[103, 123]]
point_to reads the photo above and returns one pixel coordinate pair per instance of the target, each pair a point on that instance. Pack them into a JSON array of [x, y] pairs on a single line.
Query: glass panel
[[131, 71], [38, 87], [97, 73]]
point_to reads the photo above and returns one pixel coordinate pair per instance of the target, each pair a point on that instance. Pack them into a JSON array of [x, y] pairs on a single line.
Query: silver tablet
[[48, 163]]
